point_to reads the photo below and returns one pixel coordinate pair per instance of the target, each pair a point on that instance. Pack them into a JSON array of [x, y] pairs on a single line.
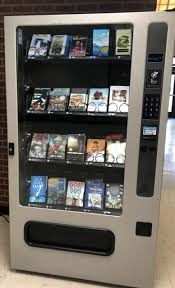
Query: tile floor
[[165, 263]]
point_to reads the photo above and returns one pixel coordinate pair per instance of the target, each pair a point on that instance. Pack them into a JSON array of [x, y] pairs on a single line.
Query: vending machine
[[87, 102]]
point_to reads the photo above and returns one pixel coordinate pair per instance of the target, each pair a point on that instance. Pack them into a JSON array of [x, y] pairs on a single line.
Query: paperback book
[[95, 151], [39, 45], [39, 99], [98, 99], [100, 42], [114, 196], [58, 45], [56, 191], [123, 41], [119, 99], [58, 99], [78, 46], [78, 99], [38, 146], [115, 149], [94, 194], [75, 193], [76, 147], [57, 146], [38, 188]]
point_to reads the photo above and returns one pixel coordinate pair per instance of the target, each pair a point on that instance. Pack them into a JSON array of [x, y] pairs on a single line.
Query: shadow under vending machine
[[87, 108]]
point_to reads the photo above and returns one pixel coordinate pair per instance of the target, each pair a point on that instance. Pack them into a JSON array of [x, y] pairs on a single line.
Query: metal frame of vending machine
[[102, 246]]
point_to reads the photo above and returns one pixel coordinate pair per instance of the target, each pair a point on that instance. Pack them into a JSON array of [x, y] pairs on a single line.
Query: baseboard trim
[[4, 210]]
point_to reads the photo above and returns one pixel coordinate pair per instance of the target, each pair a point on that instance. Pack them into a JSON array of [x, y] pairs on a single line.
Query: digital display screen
[[155, 57], [149, 131]]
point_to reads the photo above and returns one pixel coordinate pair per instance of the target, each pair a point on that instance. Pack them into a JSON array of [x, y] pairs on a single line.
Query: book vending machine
[[87, 108]]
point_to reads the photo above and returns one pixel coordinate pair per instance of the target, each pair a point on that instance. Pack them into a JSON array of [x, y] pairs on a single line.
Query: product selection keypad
[[151, 107]]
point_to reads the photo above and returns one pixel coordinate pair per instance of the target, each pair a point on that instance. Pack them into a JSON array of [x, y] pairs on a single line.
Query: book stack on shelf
[[78, 147], [52, 46], [93, 194], [98, 100]]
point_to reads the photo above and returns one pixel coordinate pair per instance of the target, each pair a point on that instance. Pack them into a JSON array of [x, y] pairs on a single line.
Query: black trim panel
[[154, 70]]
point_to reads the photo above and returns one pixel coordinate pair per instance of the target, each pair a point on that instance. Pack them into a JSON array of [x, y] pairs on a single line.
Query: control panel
[[156, 46]]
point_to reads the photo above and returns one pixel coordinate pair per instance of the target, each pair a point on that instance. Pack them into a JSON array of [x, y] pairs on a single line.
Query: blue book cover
[[38, 188], [94, 194], [100, 42]]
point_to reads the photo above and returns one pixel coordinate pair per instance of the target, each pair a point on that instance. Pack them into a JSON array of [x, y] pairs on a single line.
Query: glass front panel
[[73, 100]]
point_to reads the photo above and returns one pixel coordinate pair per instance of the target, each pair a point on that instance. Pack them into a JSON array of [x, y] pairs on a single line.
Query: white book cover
[[39, 45], [98, 100], [119, 99], [75, 193], [115, 151]]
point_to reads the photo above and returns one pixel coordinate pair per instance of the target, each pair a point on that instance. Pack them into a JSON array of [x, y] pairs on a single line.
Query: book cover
[[39, 99], [98, 99], [123, 41], [119, 99], [75, 193], [78, 99], [38, 188], [76, 147], [58, 45], [38, 146], [94, 194], [78, 46], [95, 150], [58, 99], [100, 42], [115, 149], [56, 191], [57, 146], [39, 45], [114, 196]]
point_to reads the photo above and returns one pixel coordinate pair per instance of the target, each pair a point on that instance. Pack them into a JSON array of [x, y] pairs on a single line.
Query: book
[[39, 99], [38, 188], [114, 196], [56, 191], [76, 147], [58, 99], [78, 46], [58, 45], [75, 193], [123, 41], [78, 99], [98, 99], [101, 42], [115, 148], [94, 194], [119, 99], [95, 151], [38, 146], [57, 146], [39, 45]]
